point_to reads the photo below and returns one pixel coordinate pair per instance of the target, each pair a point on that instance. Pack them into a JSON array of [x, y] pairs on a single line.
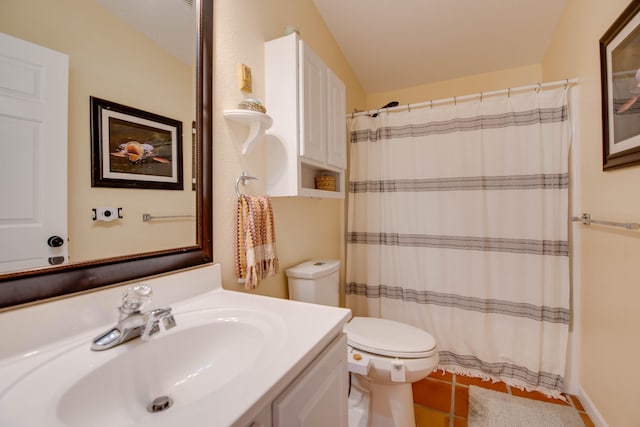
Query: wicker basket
[[326, 182]]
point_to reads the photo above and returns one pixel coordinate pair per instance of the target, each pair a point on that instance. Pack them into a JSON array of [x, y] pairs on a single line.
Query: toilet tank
[[315, 281]]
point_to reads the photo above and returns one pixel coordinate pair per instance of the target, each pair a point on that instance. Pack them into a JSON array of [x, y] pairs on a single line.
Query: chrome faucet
[[132, 322]]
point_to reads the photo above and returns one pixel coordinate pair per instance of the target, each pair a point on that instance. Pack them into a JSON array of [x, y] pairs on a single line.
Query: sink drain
[[160, 404]]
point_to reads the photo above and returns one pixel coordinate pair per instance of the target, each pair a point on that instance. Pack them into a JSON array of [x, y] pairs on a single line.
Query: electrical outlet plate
[[244, 78]]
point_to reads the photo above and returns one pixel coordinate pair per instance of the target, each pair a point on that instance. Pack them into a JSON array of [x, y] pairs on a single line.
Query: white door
[[33, 155]]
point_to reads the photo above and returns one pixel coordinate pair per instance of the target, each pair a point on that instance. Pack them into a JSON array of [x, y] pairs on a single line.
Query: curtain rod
[[454, 99]]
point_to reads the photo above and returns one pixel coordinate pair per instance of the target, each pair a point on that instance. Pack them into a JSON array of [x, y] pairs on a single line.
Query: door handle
[[56, 260], [55, 241]]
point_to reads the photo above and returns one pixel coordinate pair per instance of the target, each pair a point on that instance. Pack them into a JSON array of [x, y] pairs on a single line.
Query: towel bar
[[586, 220], [148, 217]]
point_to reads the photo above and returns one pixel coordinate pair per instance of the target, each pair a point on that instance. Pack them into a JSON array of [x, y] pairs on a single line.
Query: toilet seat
[[389, 338]]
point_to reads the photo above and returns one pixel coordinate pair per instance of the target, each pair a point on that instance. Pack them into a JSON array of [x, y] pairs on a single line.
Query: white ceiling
[[169, 23], [394, 44]]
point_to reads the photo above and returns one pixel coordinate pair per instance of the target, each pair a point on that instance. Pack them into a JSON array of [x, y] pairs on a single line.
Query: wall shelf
[[258, 123]]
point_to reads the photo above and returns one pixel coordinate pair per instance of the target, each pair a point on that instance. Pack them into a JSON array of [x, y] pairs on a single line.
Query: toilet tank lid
[[314, 269]]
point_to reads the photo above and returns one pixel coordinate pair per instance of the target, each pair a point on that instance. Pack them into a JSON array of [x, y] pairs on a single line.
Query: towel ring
[[242, 178]]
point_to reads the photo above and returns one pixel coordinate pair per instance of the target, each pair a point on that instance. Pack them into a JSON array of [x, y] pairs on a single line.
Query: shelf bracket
[[258, 123]]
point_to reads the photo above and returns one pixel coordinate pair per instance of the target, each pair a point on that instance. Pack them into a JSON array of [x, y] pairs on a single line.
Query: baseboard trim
[[591, 409]]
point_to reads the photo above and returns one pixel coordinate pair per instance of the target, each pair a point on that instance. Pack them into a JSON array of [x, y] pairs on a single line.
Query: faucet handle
[[135, 297], [152, 322]]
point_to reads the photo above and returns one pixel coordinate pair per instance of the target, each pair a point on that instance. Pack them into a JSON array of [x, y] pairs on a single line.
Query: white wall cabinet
[[307, 102]]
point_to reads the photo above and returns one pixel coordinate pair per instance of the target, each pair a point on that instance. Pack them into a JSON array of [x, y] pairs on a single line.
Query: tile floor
[[442, 399]]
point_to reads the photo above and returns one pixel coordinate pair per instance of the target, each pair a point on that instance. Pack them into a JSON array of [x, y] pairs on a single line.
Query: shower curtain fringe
[[455, 99]]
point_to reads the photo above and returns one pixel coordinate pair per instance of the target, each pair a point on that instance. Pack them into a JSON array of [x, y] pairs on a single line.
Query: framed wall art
[[620, 75], [132, 148]]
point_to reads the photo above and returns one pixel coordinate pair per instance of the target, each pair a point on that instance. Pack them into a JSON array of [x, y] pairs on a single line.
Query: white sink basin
[[191, 364]]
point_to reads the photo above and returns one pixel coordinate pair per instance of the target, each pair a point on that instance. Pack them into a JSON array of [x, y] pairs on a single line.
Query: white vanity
[[233, 359]]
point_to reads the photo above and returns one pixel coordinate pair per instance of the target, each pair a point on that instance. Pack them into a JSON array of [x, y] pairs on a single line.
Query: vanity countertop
[[296, 333]]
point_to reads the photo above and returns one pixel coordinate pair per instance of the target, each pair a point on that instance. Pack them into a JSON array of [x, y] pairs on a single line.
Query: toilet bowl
[[384, 356]]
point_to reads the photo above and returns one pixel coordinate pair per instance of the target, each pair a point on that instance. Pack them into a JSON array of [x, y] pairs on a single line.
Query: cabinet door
[[313, 105], [318, 398], [336, 121]]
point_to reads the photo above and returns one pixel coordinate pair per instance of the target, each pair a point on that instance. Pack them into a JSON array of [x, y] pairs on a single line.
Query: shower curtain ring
[[431, 104], [481, 95], [455, 102], [409, 107], [566, 84], [509, 93], [538, 88]]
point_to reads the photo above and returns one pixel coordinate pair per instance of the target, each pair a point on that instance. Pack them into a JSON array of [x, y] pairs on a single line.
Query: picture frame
[[132, 148], [620, 84]]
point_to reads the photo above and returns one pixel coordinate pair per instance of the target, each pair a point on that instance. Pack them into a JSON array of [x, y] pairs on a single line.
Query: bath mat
[[488, 408]]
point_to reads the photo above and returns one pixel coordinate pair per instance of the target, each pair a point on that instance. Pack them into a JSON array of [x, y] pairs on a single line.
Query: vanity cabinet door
[[263, 419], [318, 398]]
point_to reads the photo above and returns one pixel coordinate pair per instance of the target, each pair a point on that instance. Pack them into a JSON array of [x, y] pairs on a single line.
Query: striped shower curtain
[[458, 222]]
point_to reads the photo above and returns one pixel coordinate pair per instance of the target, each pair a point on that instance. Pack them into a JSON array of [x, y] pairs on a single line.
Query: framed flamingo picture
[[620, 77], [132, 148]]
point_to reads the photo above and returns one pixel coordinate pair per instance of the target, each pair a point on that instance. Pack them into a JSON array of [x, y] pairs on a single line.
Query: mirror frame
[[33, 285]]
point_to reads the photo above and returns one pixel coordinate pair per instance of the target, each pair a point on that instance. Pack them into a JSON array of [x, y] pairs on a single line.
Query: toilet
[[384, 356]]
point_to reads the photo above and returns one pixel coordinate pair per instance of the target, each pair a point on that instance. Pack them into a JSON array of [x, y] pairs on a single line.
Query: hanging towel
[[256, 257]]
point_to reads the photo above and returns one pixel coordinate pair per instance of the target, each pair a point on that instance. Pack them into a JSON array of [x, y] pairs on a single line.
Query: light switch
[[244, 77]]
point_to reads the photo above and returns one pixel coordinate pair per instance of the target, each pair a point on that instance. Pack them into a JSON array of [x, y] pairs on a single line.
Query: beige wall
[[609, 292], [105, 61], [485, 82], [305, 228]]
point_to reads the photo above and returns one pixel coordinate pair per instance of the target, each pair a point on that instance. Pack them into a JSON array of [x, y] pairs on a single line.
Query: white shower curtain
[[458, 222]]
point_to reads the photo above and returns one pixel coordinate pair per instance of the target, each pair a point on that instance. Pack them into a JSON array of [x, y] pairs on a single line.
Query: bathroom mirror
[[24, 286]]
